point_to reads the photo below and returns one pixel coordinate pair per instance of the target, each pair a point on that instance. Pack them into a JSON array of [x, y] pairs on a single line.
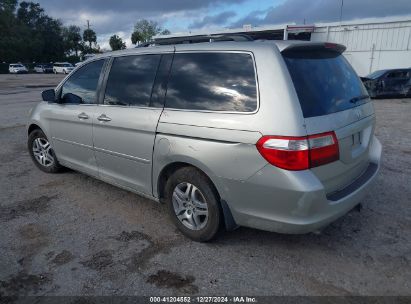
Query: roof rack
[[197, 39], [145, 44]]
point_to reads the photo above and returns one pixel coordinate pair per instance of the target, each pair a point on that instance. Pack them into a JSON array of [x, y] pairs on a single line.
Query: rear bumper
[[295, 202]]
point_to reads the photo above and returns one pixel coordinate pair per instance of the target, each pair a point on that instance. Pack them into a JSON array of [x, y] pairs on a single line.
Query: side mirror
[[49, 95]]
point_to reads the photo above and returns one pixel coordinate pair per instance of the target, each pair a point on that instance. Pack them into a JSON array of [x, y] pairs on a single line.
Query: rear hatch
[[333, 98]]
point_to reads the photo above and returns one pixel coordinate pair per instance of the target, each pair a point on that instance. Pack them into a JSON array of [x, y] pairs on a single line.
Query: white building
[[372, 44]]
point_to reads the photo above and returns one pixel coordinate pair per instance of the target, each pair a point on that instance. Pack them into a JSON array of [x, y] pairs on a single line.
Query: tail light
[[299, 153]]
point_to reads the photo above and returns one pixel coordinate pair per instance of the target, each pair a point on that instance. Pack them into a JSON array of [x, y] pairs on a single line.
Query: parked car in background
[[88, 56], [277, 136], [43, 68], [62, 67], [17, 68], [388, 83]]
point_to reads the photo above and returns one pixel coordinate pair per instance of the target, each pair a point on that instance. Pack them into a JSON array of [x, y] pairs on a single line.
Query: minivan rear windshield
[[325, 82]]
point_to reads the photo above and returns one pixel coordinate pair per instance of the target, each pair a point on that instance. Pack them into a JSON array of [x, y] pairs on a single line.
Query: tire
[[42, 153], [206, 218]]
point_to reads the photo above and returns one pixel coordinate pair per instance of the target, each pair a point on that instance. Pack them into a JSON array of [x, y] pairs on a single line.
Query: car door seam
[[159, 117]]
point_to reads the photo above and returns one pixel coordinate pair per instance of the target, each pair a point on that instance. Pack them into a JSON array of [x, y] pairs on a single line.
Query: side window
[[397, 74], [82, 85], [131, 79], [212, 81]]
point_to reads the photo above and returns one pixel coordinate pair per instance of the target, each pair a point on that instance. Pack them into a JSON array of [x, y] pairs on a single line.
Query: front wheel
[[193, 204], [42, 153]]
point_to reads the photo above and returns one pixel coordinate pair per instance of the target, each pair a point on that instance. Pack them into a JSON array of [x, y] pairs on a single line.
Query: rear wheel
[[193, 204], [42, 153]]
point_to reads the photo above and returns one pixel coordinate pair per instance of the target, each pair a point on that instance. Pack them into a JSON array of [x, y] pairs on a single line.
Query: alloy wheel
[[42, 152], [190, 206]]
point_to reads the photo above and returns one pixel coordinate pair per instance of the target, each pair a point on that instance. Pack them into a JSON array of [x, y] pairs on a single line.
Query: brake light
[[299, 153], [329, 45]]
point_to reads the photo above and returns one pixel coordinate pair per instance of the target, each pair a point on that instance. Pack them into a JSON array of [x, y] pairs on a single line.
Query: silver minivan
[[271, 135]]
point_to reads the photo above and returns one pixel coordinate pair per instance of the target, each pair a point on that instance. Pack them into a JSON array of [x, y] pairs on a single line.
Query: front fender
[[35, 118]]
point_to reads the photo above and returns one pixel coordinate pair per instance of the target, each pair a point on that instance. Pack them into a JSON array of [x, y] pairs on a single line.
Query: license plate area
[[356, 139], [360, 141], [354, 145]]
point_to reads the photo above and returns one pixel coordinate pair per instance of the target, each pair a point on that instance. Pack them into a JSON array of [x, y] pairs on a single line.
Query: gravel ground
[[70, 234]]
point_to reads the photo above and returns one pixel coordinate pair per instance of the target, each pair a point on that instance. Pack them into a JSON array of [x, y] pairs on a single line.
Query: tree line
[[28, 34], [144, 30]]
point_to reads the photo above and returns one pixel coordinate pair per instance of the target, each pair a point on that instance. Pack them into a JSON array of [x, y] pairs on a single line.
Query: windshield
[[376, 74], [16, 66], [324, 81], [67, 65]]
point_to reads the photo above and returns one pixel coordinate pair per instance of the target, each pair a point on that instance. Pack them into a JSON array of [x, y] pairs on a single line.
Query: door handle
[[103, 117], [83, 115]]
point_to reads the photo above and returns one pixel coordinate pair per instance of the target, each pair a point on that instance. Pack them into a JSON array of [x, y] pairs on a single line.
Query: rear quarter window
[[324, 81], [212, 82]]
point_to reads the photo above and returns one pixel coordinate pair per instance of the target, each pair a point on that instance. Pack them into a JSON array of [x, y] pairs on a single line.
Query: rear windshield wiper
[[359, 98]]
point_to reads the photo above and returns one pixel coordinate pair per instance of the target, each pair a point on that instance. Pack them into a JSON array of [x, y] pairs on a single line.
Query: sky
[[109, 17]]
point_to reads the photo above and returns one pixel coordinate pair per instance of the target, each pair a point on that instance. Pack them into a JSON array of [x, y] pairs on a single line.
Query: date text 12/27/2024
[[240, 299]]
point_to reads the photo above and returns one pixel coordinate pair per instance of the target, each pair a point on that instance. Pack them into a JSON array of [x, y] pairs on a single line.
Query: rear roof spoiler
[[313, 46]]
